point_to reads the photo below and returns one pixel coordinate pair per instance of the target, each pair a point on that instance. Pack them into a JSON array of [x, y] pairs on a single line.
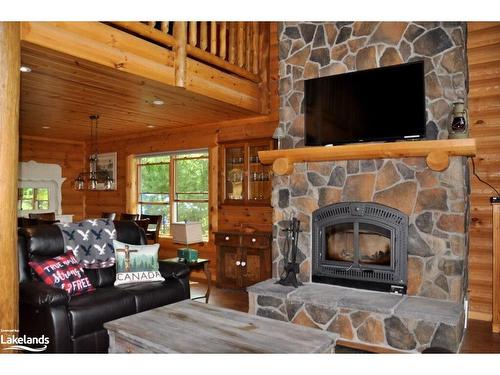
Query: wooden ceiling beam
[[97, 42]]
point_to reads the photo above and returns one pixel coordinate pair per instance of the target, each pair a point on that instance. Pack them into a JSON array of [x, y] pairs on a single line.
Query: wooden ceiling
[[61, 92]]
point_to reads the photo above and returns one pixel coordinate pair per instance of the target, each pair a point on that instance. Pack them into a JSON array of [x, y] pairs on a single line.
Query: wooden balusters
[[222, 40], [241, 44], [264, 65], [165, 26], [203, 35], [193, 33], [180, 35], [255, 47], [243, 52], [213, 38], [232, 42], [248, 44]]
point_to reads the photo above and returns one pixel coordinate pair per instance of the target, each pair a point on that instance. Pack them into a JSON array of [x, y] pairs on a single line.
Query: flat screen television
[[381, 104]]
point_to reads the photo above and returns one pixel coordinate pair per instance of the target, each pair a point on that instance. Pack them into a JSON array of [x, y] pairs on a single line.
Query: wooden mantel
[[436, 152]]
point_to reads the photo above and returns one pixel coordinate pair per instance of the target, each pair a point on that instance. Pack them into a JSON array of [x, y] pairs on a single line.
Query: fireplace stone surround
[[437, 203]]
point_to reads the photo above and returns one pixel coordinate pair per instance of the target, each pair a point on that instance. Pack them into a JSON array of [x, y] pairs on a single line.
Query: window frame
[[172, 193], [34, 200]]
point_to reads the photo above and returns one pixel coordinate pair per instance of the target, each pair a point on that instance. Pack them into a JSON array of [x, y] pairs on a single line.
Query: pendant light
[[90, 179]]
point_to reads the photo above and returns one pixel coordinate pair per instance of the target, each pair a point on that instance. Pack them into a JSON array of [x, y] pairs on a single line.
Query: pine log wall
[[484, 106], [196, 137], [70, 156]]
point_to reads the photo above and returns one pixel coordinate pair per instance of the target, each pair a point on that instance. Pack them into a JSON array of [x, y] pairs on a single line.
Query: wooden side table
[[199, 265]]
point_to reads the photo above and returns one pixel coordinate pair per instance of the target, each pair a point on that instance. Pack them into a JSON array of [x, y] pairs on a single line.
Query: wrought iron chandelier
[[90, 179]]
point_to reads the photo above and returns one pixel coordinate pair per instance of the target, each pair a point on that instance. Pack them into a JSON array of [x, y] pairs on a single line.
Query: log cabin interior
[[207, 122]]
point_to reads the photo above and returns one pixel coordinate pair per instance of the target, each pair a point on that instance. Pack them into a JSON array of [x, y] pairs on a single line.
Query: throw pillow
[[91, 241], [63, 272], [136, 263]]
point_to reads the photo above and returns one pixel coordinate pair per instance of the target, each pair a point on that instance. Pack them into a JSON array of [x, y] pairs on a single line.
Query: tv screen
[[370, 105]]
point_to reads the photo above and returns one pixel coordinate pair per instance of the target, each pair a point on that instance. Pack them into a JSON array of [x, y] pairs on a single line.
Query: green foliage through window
[[31, 199], [184, 200]]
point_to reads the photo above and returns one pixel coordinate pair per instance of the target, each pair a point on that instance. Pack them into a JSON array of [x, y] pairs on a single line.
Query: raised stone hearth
[[380, 319]]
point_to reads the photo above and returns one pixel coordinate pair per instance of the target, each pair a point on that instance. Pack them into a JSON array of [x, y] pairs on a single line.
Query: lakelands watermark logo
[[10, 338]]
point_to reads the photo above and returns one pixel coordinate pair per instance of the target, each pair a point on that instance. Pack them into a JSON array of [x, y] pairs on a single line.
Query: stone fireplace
[[435, 205]]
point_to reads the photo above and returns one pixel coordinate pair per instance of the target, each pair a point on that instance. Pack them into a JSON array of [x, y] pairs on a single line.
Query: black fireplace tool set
[[291, 267]]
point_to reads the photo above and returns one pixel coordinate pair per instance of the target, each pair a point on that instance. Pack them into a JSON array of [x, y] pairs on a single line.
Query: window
[[31, 199], [174, 185]]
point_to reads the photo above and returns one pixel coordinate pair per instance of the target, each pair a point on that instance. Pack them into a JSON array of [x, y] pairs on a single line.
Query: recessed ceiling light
[[151, 126], [45, 127], [25, 69], [158, 102]]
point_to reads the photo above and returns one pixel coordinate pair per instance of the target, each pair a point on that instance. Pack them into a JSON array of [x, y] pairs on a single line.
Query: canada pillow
[[63, 272], [136, 263]]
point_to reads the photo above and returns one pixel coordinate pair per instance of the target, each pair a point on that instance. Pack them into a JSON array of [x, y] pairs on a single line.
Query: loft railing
[[239, 48]]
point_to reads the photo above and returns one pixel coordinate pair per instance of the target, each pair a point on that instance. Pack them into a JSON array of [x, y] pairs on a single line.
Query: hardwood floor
[[228, 298], [478, 338]]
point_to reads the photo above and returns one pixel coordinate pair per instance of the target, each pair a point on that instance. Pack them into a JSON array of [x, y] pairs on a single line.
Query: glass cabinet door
[[259, 175], [235, 171]]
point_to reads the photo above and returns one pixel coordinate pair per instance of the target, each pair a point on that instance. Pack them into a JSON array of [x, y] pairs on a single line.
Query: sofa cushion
[[129, 232], [94, 342], [101, 277], [43, 241], [151, 295], [88, 312]]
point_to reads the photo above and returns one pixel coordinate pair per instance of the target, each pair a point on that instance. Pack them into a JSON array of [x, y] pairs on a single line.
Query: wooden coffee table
[[194, 327]]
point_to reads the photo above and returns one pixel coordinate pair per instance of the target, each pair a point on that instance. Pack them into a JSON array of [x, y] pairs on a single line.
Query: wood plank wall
[[484, 105], [70, 156], [194, 137]]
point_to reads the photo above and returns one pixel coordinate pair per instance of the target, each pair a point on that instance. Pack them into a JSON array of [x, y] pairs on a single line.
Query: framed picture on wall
[[107, 162]]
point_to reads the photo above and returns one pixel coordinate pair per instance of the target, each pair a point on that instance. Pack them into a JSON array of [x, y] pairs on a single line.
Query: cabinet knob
[[238, 262], [243, 264], [254, 240], [226, 238]]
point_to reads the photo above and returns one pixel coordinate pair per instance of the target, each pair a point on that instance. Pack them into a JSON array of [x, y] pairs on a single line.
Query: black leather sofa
[[75, 324]]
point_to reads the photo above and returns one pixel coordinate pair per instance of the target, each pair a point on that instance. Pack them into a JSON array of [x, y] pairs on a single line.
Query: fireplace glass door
[[340, 242], [374, 245], [361, 243]]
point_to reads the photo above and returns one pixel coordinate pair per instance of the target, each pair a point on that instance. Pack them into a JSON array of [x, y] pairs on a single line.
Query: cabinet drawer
[[223, 239], [257, 242]]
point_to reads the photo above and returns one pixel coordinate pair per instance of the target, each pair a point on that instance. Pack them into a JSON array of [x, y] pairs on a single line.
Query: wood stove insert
[[361, 245]]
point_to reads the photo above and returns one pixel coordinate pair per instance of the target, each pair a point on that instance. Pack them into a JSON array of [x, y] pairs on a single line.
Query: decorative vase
[[458, 124]]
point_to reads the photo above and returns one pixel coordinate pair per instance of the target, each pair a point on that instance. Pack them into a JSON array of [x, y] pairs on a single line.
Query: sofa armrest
[[36, 293], [173, 270]]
